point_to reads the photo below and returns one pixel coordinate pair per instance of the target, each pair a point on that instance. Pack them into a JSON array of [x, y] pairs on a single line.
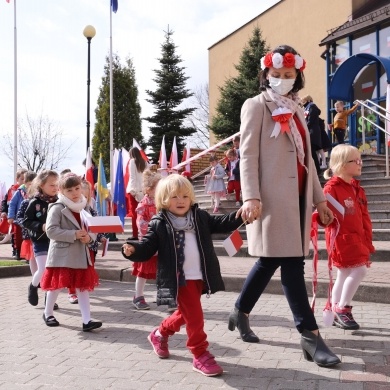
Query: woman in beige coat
[[279, 188]]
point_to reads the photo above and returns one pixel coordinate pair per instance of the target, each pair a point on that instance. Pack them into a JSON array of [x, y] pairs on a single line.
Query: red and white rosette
[[281, 116]]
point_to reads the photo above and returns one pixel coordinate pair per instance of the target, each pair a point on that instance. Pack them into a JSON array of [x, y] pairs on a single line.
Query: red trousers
[[190, 313], [234, 186], [17, 234], [133, 205]]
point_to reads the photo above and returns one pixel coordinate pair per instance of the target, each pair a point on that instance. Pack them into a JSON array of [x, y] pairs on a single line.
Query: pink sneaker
[[206, 365], [159, 344], [216, 210]]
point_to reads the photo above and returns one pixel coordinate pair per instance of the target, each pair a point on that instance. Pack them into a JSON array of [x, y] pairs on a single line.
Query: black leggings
[[293, 283]]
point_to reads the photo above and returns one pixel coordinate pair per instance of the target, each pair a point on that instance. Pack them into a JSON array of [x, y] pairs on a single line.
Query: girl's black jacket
[[34, 218], [160, 238]]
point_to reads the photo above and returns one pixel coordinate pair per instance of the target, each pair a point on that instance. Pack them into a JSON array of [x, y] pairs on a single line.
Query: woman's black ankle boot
[[241, 321], [315, 349]]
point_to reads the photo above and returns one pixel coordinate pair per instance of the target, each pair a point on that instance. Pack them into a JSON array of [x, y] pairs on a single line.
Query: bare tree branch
[[40, 144], [199, 119]]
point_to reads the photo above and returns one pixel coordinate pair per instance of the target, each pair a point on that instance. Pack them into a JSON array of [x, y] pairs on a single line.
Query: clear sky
[[52, 55]]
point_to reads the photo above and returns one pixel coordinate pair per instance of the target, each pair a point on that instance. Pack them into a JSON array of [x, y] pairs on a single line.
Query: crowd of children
[[174, 244]]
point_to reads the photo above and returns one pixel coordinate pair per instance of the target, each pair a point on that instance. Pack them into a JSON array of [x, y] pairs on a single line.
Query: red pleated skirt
[[26, 250], [55, 278], [147, 269]]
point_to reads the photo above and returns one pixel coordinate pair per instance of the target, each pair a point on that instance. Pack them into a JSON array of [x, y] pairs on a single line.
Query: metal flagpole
[[111, 110], [15, 96]]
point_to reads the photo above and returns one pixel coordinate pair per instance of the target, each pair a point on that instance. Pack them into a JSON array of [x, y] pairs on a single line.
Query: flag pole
[[15, 96], [111, 109]]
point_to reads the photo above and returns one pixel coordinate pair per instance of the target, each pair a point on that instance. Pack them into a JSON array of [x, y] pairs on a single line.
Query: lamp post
[[89, 32]]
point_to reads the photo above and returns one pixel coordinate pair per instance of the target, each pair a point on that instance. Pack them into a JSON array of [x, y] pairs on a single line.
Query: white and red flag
[[233, 243], [89, 169], [162, 160], [143, 154], [174, 159]]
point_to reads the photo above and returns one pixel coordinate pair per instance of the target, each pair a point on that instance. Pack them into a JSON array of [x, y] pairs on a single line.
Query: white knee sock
[[84, 305], [41, 263], [51, 298], [217, 198], [139, 286]]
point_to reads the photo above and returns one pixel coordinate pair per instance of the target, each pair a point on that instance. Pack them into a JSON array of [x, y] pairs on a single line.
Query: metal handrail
[[383, 113], [204, 152]]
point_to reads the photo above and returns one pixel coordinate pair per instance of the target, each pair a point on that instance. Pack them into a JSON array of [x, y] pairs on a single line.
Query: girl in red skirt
[[71, 258], [145, 211]]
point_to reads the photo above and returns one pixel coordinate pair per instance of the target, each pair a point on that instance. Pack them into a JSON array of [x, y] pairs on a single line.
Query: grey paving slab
[[118, 356]]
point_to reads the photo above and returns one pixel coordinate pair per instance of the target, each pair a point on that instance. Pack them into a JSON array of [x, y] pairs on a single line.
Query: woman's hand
[[325, 214], [250, 210], [128, 249]]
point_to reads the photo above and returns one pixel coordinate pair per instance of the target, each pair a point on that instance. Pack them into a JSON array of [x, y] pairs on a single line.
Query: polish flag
[[367, 87], [337, 208], [173, 160], [89, 169], [388, 41], [143, 154], [162, 160], [233, 243], [186, 156]]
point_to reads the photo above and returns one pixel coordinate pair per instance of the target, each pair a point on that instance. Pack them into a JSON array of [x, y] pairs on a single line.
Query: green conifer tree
[[126, 111], [236, 90], [168, 118]]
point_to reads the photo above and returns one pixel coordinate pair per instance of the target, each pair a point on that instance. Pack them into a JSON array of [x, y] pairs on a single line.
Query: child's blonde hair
[[231, 153], [171, 186], [339, 103], [42, 177], [150, 179], [86, 185], [338, 158]]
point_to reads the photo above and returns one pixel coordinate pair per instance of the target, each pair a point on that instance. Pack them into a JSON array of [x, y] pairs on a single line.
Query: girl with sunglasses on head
[[350, 253]]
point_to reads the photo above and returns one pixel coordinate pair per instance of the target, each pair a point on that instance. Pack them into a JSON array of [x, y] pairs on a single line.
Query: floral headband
[[276, 60]]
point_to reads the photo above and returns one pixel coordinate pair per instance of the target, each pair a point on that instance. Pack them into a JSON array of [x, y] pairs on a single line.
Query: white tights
[[139, 286], [84, 305], [33, 265], [217, 199], [346, 285], [41, 264]]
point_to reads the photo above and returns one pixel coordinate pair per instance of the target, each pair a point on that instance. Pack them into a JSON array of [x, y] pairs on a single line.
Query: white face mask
[[281, 86]]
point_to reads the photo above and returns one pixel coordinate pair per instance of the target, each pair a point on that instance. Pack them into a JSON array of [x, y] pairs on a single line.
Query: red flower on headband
[[289, 60], [303, 66], [268, 60]]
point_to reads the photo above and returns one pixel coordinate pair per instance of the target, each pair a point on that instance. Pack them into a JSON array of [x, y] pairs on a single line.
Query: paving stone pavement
[[119, 356]]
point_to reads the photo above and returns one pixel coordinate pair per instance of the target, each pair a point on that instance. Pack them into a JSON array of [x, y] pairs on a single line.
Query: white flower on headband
[[276, 60], [298, 61]]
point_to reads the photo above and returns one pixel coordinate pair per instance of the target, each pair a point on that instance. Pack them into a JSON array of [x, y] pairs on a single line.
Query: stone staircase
[[373, 180]]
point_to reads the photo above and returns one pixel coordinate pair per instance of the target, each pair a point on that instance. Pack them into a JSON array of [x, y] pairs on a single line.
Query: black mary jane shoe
[[241, 321], [91, 325], [315, 349], [50, 321]]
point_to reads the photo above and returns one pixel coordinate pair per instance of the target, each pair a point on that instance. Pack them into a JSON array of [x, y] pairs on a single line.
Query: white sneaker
[[323, 166]]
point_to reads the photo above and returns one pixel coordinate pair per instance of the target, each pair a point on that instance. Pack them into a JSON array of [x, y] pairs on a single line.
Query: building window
[[364, 43], [384, 42], [341, 53]]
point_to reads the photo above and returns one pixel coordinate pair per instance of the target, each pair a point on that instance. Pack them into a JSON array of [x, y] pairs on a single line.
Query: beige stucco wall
[[294, 22]]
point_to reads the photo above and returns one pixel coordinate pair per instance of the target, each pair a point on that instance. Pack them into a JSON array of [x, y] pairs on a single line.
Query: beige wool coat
[[268, 169], [64, 249]]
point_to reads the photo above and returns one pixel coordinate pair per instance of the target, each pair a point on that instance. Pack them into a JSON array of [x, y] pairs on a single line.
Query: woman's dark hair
[[300, 79], [140, 163]]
